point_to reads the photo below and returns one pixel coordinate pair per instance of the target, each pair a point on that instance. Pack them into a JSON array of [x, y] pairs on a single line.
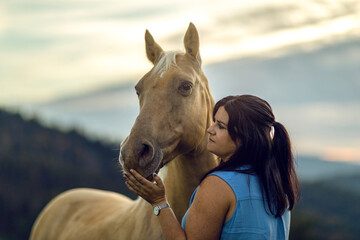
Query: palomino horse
[[175, 111]]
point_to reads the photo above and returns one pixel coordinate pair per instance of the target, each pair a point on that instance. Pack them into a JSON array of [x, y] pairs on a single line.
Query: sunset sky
[[54, 49]]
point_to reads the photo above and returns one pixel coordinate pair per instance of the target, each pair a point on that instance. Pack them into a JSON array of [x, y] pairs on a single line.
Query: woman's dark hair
[[269, 157]]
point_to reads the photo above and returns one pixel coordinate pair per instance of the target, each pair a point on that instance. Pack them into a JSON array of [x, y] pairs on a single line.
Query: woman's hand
[[152, 192]]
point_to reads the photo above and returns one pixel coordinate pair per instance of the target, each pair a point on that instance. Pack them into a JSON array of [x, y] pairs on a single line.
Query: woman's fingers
[[152, 192], [158, 181], [131, 178], [133, 183], [139, 183], [137, 176], [130, 186]]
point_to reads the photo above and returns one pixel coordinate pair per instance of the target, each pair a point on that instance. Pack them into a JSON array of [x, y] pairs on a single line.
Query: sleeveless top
[[250, 219]]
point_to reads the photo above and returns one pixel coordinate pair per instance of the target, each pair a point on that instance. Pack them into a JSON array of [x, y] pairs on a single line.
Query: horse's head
[[175, 108]]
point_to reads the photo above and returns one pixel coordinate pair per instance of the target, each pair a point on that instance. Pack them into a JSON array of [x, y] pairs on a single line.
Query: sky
[[50, 49], [55, 49]]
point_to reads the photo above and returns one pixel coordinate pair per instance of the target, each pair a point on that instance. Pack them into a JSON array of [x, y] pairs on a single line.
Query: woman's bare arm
[[206, 214]]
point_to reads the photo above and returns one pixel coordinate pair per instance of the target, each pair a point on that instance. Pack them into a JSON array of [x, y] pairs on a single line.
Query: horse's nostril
[[146, 155], [145, 150]]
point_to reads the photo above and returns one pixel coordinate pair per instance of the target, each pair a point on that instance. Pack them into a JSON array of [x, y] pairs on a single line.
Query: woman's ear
[[238, 142]]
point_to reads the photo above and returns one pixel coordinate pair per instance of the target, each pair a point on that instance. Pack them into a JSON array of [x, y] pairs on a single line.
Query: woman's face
[[220, 142]]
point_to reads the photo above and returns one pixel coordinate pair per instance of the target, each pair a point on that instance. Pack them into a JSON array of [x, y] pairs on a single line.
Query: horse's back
[[81, 214]]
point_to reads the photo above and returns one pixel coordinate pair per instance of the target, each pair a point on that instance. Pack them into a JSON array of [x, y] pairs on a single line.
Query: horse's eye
[[185, 88]]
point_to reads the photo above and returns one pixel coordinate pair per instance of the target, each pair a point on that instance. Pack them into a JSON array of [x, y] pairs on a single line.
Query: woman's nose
[[210, 129]]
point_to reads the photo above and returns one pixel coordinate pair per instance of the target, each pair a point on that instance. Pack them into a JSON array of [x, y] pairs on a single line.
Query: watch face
[[156, 210]]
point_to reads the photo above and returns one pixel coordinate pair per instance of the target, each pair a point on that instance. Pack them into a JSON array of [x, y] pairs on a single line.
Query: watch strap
[[157, 209], [164, 206]]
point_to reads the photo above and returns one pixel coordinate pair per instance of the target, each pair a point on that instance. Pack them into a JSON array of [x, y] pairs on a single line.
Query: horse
[[168, 137]]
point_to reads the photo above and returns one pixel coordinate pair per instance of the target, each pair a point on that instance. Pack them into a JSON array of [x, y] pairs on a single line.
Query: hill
[[328, 210], [312, 168], [38, 163]]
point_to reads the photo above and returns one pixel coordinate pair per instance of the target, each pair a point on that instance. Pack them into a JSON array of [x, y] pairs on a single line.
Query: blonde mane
[[167, 59]]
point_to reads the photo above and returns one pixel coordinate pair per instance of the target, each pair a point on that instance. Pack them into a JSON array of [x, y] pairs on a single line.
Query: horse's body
[[175, 111]]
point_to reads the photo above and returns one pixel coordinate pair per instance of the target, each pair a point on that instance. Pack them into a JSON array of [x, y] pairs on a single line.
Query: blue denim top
[[250, 219]]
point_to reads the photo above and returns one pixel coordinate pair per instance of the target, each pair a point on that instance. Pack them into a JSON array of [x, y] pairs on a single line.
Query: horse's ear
[[153, 50], [192, 43]]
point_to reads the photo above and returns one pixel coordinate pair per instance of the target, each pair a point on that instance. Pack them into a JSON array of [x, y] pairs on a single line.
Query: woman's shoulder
[[210, 188], [213, 181], [241, 182], [238, 172]]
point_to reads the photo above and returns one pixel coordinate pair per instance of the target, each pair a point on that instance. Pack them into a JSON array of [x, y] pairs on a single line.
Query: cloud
[[289, 15], [3, 20], [240, 31], [323, 128], [342, 154], [70, 68], [52, 48]]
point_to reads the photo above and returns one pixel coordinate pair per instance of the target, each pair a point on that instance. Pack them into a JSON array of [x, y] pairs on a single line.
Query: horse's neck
[[185, 171], [183, 176]]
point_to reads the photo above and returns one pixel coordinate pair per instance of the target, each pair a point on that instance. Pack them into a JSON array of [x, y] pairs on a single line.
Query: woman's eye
[[220, 126]]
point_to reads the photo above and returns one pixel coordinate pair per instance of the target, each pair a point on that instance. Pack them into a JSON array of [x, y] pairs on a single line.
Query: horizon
[[92, 136]]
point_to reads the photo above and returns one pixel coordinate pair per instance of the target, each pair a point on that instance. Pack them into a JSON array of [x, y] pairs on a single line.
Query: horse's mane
[[167, 59]]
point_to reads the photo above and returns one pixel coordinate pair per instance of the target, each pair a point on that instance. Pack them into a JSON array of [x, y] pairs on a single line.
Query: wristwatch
[[158, 208]]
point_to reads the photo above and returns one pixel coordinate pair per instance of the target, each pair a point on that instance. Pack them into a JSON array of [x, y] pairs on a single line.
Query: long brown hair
[[269, 157]]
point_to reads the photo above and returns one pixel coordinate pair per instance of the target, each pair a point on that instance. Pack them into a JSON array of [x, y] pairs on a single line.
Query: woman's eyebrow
[[221, 122]]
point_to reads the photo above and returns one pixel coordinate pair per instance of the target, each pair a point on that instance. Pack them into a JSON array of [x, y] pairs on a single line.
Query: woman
[[249, 195]]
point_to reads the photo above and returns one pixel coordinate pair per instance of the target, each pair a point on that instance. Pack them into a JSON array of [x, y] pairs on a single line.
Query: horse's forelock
[[166, 60]]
